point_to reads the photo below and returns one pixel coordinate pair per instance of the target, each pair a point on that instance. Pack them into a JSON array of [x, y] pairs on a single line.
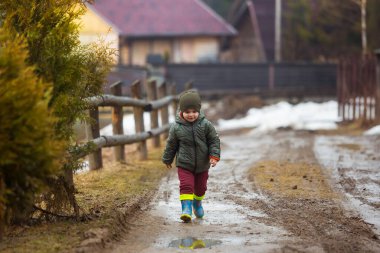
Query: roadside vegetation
[[108, 197], [45, 74]]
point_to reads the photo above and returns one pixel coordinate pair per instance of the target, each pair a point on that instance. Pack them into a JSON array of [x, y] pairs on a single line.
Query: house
[[182, 31], [255, 22]]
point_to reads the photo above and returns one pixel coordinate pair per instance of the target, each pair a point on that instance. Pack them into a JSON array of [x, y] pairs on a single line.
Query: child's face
[[190, 115]]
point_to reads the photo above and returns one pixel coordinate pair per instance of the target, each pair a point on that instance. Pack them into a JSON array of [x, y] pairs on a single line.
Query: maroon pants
[[191, 183]]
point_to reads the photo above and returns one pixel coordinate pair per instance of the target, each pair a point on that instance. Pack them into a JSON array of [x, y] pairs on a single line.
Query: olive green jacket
[[192, 143]]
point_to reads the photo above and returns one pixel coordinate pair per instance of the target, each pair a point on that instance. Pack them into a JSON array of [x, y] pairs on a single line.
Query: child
[[196, 145]]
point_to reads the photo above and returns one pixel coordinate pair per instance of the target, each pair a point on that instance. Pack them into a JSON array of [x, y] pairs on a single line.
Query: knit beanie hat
[[190, 100]]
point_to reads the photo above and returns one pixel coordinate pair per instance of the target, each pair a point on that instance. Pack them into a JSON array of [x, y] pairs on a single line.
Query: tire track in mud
[[247, 215], [354, 162], [155, 229], [316, 220]]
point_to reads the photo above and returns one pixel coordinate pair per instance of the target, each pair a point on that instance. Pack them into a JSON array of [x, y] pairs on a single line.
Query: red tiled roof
[[145, 18]]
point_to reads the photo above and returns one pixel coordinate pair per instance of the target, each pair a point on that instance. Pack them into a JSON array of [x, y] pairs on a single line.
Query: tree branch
[[50, 213]]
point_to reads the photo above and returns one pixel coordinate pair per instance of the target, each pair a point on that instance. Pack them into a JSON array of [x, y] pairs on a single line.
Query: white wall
[[180, 50], [94, 28]]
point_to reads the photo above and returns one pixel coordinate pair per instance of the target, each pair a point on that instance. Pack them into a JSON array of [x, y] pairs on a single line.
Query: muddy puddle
[[194, 243]]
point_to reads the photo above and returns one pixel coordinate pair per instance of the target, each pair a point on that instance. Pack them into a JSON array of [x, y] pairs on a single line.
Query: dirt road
[[278, 192]]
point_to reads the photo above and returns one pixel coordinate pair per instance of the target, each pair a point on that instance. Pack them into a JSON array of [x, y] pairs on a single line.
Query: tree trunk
[[364, 25], [68, 182], [2, 207]]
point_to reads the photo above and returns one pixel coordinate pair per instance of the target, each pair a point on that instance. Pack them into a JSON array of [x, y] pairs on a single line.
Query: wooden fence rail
[[111, 100], [114, 140], [158, 101]]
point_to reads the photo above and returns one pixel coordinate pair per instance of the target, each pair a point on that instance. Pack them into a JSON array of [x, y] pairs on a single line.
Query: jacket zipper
[[195, 147]]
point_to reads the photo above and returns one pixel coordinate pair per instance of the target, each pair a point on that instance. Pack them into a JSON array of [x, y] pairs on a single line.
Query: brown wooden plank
[[152, 95], [138, 112], [164, 111], [117, 122], [92, 131]]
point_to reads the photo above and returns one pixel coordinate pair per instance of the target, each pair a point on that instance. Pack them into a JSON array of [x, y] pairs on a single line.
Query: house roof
[[265, 13], [151, 18]]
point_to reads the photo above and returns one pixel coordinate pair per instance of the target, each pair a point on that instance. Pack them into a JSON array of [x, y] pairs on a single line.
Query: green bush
[[28, 150], [51, 30]]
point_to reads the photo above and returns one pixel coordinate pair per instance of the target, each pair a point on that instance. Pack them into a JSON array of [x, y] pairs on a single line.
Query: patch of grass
[[350, 146], [353, 128], [100, 193], [294, 180]]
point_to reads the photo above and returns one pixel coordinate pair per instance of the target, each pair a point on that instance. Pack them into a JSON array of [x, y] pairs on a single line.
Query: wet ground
[[354, 163], [285, 191]]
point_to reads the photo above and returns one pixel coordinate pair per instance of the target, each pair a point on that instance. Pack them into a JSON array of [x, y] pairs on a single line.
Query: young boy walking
[[196, 145]]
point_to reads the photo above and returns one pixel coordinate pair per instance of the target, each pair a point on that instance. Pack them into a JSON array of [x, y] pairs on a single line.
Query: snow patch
[[373, 131], [308, 116]]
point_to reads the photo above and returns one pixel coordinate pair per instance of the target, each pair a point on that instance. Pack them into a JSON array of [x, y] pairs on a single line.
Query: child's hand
[[213, 162], [168, 165]]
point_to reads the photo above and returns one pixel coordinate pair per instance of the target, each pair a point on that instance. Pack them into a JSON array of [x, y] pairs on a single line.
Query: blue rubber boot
[[186, 210], [198, 209]]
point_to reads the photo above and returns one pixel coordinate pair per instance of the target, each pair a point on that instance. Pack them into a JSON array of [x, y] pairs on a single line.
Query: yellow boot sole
[[186, 218]]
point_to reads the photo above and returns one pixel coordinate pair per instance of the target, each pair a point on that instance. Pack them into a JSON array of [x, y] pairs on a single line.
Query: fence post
[[355, 84], [117, 121], [338, 87], [271, 80], [173, 91], [152, 95], [162, 92], [92, 132], [138, 114], [377, 99]]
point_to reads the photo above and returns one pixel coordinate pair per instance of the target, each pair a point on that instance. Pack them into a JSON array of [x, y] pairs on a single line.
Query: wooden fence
[[357, 89], [264, 79], [159, 97]]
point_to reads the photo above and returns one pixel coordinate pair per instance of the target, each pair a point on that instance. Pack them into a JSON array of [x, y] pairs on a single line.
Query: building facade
[[185, 31]]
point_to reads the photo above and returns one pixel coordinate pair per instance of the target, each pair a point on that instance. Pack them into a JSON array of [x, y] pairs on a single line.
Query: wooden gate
[[357, 88]]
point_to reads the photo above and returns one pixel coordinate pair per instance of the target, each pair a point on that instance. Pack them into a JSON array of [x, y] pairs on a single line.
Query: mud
[[313, 211], [268, 194], [354, 171]]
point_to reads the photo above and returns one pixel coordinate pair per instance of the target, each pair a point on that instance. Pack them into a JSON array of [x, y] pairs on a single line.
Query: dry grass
[[350, 146], [293, 180], [353, 128], [99, 194]]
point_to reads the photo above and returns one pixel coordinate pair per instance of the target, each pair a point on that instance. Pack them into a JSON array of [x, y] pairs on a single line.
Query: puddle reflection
[[193, 243]]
